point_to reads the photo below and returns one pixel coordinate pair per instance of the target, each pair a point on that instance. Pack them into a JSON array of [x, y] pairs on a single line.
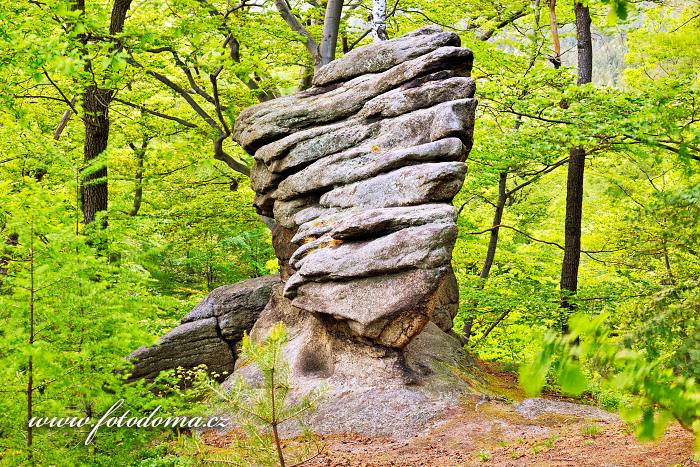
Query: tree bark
[[94, 191], [331, 25], [574, 182], [584, 43], [379, 20], [497, 218], [572, 228]]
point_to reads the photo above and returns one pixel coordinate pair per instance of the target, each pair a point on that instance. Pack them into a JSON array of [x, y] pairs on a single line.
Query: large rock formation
[[209, 333], [359, 173]]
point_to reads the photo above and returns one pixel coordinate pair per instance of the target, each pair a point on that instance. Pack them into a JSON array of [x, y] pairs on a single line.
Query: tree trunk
[[379, 20], [331, 25], [94, 193], [497, 218], [574, 182], [556, 60], [94, 186], [584, 43], [572, 227], [138, 178], [491, 252]]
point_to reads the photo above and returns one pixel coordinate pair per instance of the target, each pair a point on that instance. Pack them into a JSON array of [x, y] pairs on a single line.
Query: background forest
[[124, 201]]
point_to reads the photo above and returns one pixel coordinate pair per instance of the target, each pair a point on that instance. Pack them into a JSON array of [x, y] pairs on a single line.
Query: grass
[[484, 456], [591, 429]]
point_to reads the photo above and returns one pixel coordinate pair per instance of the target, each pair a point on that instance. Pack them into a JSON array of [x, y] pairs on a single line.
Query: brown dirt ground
[[493, 433]]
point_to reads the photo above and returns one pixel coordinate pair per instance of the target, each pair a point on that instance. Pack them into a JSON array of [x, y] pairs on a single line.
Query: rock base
[[368, 389]]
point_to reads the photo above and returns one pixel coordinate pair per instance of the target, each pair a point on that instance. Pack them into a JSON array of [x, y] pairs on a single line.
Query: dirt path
[[494, 433]]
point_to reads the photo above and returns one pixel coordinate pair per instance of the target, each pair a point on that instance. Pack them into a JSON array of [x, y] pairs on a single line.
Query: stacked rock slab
[[359, 173]]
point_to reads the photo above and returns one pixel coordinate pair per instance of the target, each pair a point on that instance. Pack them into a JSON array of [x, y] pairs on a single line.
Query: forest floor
[[497, 432]]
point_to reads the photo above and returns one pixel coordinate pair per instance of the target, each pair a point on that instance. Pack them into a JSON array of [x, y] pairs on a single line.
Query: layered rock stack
[[358, 173]]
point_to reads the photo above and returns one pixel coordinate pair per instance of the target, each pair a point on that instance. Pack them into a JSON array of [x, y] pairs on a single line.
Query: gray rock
[[187, 346], [271, 120], [446, 302], [404, 100], [286, 212], [236, 306], [351, 166], [208, 334], [359, 172], [407, 186], [533, 408], [379, 221], [425, 247], [261, 179], [449, 119], [368, 389], [384, 55], [390, 309]]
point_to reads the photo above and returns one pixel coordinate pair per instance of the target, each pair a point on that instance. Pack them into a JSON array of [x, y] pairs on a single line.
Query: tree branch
[[293, 22], [157, 114]]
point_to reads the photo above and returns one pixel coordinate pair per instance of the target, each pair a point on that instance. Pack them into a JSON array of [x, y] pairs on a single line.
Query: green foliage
[[103, 292], [658, 394], [263, 408]]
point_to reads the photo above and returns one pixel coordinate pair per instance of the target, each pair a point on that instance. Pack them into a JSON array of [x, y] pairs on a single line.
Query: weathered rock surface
[[385, 55], [370, 389], [533, 408], [236, 307], [262, 123], [360, 171], [209, 333]]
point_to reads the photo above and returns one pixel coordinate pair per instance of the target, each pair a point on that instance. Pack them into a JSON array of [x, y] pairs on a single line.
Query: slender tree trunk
[[64, 121], [379, 20], [497, 218], [491, 252], [574, 182], [30, 362], [331, 26], [556, 61]]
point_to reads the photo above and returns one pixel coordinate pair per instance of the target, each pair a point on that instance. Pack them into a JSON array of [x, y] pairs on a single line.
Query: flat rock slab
[[533, 408]]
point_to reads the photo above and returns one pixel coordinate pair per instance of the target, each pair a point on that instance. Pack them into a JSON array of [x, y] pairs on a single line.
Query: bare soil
[[497, 435]]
